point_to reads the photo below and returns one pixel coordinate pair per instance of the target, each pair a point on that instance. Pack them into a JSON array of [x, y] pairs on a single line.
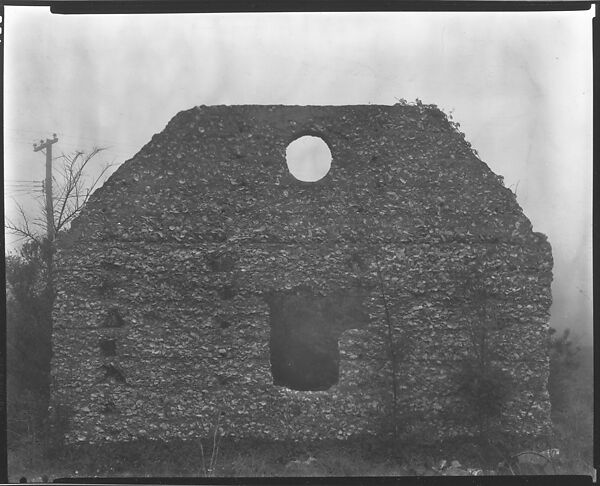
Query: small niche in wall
[[105, 286], [222, 322], [113, 372], [113, 318], [108, 347], [109, 407], [227, 292]]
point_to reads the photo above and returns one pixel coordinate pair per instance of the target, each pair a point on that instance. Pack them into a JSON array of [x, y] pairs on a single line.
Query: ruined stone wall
[[172, 284]]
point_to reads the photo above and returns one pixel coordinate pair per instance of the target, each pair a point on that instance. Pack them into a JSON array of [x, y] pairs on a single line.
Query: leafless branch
[[23, 229], [71, 193]]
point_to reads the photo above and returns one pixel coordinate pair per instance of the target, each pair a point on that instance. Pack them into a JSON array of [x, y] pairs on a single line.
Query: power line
[[38, 187], [28, 183], [120, 151], [26, 189], [24, 194], [22, 191], [22, 188], [21, 180], [22, 184], [63, 135]]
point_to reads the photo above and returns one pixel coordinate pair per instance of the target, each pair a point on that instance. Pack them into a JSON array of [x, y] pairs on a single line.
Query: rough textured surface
[[162, 318]]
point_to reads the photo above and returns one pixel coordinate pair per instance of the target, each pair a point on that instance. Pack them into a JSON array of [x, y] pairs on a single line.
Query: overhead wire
[[22, 184], [21, 192], [32, 186], [39, 184], [23, 189], [28, 183], [21, 180], [66, 135]]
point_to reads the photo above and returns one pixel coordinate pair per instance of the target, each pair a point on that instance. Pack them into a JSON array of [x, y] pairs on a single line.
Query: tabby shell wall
[[152, 338]]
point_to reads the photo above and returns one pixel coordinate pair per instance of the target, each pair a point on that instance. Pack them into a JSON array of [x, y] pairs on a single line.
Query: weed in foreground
[[209, 463]]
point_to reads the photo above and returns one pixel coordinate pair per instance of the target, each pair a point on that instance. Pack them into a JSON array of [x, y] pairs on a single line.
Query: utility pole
[[47, 254], [48, 251], [48, 185]]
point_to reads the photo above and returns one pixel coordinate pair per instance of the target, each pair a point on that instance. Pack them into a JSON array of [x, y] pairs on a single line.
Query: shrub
[[484, 388], [570, 386], [28, 335], [564, 362]]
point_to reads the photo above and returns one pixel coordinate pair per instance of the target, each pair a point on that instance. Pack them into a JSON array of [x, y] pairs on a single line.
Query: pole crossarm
[[45, 144]]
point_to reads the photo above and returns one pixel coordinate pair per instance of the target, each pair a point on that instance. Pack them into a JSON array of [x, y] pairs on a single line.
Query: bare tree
[[72, 189]]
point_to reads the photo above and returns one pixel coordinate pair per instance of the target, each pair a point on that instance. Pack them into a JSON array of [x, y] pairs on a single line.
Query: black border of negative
[[87, 7]]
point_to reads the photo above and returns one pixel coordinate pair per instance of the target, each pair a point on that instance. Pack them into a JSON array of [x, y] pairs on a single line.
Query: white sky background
[[520, 85]]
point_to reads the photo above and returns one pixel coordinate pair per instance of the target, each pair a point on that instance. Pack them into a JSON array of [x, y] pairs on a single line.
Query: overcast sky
[[520, 85]]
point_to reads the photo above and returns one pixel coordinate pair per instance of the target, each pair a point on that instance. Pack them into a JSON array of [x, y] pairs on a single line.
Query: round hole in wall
[[308, 158]]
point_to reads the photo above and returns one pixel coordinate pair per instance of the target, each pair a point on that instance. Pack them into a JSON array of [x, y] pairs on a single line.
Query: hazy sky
[[520, 85]]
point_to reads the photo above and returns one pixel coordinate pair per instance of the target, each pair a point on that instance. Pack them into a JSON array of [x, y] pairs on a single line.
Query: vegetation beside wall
[[35, 449], [28, 345]]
